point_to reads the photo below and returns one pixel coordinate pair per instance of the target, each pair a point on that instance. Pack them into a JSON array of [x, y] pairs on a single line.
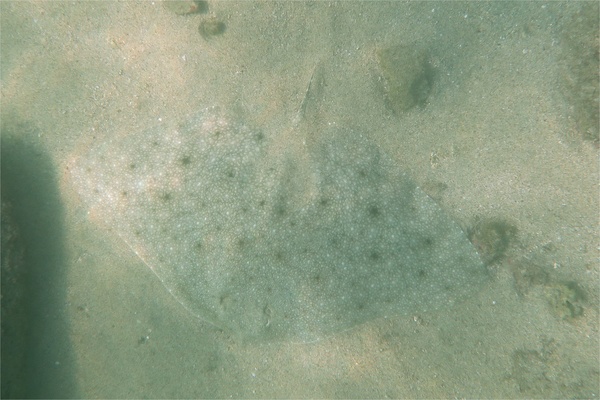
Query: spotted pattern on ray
[[272, 242]]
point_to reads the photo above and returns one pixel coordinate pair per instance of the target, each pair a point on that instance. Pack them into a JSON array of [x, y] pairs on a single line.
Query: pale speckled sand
[[497, 134]]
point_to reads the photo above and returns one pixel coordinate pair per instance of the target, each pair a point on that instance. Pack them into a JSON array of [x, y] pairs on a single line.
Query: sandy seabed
[[497, 140]]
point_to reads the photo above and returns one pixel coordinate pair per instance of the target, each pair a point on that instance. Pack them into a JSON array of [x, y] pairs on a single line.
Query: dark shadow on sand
[[37, 359]]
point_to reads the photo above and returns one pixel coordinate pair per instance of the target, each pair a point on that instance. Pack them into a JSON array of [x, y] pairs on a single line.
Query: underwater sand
[[495, 141]]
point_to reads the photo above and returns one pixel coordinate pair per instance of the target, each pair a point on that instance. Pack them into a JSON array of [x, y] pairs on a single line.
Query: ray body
[[273, 237]]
